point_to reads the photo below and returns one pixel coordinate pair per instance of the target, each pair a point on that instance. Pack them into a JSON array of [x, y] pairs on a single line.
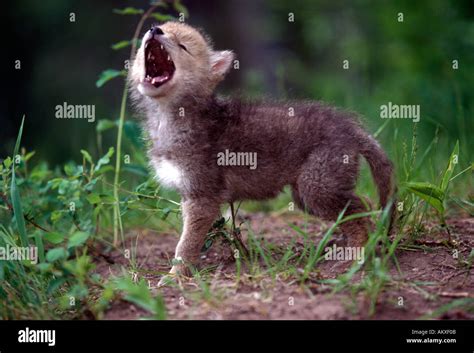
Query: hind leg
[[356, 230], [326, 185]]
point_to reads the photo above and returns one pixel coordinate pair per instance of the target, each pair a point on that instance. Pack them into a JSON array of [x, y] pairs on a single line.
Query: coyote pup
[[311, 147]]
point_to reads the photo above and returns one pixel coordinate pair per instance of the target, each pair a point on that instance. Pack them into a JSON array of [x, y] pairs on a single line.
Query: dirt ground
[[431, 277]]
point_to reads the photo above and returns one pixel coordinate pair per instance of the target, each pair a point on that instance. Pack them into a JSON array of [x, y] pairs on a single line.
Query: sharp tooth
[[161, 47], [169, 59]]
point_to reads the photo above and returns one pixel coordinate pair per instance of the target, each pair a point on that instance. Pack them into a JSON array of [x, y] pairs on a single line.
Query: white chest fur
[[168, 173]]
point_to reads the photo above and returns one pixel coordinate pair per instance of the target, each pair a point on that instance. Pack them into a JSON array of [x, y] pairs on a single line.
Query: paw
[[167, 280], [180, 271]]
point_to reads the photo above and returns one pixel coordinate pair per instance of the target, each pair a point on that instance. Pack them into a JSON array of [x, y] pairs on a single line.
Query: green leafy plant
[[436, 195]]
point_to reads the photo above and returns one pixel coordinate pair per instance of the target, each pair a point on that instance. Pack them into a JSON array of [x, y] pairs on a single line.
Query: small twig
[[455, 295], [449, 266], [36, 225], [447, 278], [28, 219]]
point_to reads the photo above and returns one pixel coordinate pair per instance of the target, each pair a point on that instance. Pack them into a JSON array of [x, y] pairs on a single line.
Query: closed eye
[[183, 47]]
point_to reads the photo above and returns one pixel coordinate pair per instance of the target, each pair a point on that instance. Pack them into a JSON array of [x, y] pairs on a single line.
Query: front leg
[[198, 217]]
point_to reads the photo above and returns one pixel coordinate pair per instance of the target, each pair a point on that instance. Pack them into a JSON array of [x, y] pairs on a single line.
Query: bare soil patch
[[430, 278]]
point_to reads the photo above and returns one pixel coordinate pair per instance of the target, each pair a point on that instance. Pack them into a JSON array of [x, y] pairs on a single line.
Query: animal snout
[[156, 30]]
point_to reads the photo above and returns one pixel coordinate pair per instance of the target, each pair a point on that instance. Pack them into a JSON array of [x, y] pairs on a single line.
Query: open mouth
[[159, 68]]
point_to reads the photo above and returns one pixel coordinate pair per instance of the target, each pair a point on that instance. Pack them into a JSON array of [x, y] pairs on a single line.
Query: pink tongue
[[159, 79]]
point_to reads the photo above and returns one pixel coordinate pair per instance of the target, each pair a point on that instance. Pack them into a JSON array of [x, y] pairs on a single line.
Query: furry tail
[[382, 171]]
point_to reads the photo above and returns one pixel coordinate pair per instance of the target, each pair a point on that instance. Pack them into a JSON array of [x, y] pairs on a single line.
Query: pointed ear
[[220, 63]]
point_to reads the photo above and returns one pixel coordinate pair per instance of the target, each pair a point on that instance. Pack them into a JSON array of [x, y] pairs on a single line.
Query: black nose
[[156, 30]]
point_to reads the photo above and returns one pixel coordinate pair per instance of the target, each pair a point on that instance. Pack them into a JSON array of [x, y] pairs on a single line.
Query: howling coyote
[[310, 146]]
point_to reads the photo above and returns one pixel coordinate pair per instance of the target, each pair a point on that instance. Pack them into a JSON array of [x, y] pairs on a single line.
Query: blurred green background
[[407, 62]]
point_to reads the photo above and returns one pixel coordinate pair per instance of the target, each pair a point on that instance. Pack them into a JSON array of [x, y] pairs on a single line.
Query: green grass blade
[[450, 168], [18, 139], [18, 211], [15, 194], [40, 246]]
